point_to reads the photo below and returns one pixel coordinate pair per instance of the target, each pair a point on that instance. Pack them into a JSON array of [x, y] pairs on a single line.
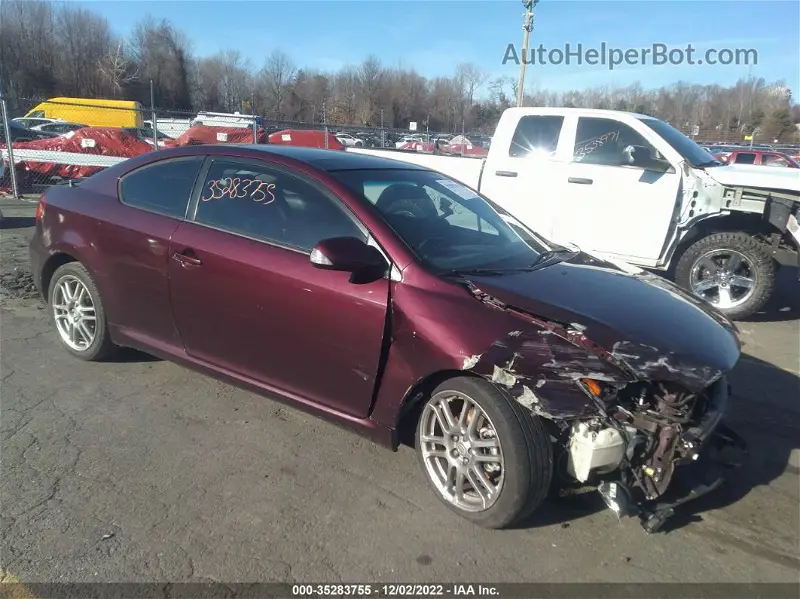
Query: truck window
[[745, 158], [774, 160], [536, 133], [603, 141]]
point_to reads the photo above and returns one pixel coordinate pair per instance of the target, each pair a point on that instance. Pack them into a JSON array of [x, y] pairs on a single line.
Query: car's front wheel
[[487, 458], [78, 313]]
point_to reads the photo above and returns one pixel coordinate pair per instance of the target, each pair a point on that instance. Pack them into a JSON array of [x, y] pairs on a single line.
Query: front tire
[[486, 457], [78, 313], [733, 271]]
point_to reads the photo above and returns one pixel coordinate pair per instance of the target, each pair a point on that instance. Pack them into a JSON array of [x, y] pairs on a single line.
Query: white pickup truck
[[635, 189]]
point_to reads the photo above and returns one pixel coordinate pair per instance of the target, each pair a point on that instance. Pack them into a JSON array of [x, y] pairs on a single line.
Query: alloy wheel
[[461, 451], [74, 313], [724, 278]]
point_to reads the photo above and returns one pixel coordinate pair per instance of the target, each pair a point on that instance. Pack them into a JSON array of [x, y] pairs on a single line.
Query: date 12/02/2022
[[239, 188]]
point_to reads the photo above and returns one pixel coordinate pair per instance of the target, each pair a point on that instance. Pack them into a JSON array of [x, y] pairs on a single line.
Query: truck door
[[612, 206], [523, 175]]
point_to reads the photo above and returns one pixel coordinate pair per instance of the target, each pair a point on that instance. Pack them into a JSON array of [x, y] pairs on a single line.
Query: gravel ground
[[140, 470]]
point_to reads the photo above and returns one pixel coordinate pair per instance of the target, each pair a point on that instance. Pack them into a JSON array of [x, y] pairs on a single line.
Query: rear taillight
[[39, 211]]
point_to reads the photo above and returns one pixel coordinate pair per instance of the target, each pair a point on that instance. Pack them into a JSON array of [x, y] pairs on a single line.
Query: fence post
[[325, 124], [153, 115], [253, 114], [9, 149], [383, 133]]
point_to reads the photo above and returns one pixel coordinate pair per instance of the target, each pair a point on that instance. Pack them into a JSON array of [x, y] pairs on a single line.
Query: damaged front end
[[635, 427], [649, 436]]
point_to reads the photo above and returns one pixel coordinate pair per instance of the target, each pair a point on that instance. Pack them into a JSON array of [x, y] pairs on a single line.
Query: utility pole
[[527, 27]]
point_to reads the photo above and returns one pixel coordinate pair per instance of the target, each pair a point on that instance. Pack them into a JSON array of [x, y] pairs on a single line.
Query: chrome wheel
[[74, 313], [461, 451], [724, 278]]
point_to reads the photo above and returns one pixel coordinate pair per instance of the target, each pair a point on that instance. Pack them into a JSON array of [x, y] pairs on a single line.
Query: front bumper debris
[[699, 468], [694, 480]]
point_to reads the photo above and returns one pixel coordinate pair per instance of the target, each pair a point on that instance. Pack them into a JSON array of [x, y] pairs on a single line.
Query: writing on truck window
[[585, 148], [239, 188]]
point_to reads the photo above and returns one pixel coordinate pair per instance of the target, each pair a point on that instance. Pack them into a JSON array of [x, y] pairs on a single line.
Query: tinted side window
[[268, 204], [163, 187], [774, 160], [603, 141], [536, 133], [745, 158]]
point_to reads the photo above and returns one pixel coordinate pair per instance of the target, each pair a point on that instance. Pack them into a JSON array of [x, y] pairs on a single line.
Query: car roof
[[331, 160]]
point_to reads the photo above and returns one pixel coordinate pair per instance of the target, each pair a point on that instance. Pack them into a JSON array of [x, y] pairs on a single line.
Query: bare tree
[[117, 70], [278, 72], [473, 78]]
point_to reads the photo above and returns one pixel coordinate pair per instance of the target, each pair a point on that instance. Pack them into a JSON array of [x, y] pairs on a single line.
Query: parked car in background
[[59, 127], [409, 139], [349, 141], [759, 157], [18, 133], [720, 231], [30, 122], [424, 309]]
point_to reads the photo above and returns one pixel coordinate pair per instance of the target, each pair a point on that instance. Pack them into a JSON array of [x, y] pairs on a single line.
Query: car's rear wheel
[[487, 458], [733, 271], [78, 313]]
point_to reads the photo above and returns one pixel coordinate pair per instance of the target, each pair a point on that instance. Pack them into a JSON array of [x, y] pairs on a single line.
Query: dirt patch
[[17, 284]]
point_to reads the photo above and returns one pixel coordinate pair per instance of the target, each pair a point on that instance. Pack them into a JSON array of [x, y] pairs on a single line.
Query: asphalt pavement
[[141, 470]]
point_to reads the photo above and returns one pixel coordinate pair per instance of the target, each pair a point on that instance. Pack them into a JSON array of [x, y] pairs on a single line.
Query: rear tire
[[705, 270], [522, 444], [78, 313]]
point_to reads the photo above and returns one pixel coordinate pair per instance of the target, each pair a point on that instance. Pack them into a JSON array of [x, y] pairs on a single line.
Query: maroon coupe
[[392, 299]]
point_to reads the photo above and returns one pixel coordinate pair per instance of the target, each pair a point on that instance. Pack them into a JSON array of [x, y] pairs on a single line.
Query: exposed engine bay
[[644, 430]]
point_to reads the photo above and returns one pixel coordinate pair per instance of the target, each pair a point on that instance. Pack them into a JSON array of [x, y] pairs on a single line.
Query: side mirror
[[638, 155], [348, 254], [644, 157]]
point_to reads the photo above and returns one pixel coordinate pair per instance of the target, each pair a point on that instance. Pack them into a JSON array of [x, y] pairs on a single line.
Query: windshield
[[688, 149], [447, 225]]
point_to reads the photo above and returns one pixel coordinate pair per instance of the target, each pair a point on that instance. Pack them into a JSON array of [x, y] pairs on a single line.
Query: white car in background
[[348, 140], [408, 139]]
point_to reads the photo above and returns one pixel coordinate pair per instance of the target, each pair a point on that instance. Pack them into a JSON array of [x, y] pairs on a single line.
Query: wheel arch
[[51, 265], [414, 399], [744, 222]]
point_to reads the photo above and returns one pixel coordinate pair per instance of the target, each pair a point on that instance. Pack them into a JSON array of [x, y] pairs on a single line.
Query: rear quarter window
[[161, 187]]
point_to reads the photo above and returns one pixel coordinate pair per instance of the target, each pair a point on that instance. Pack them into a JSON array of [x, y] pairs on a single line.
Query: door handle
[[580, 181], [505, 173], [188, 258]]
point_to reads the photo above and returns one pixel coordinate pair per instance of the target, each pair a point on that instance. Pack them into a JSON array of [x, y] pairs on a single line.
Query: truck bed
[[464, 169]]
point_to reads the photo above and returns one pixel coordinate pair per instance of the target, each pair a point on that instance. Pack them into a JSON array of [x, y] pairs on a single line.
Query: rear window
[[162, 187]]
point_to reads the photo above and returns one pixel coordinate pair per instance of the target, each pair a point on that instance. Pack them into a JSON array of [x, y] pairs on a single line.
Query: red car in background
[[760, 157], [392, 299]]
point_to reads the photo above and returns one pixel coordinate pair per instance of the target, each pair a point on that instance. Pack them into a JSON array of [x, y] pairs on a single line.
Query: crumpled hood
[[658, 331], [762, 177]]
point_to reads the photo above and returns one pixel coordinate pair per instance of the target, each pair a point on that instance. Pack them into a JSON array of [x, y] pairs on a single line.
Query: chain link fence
[[56, 140]]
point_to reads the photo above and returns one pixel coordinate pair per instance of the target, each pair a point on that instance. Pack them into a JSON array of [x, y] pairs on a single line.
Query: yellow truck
[[94, 113]]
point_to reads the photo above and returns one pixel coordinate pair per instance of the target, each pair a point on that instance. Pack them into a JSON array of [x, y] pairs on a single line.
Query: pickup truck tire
[[516, 439], [755, 259]]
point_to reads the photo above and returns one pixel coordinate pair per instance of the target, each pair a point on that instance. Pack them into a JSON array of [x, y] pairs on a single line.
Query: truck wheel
[[733, 271], [487, 458]]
